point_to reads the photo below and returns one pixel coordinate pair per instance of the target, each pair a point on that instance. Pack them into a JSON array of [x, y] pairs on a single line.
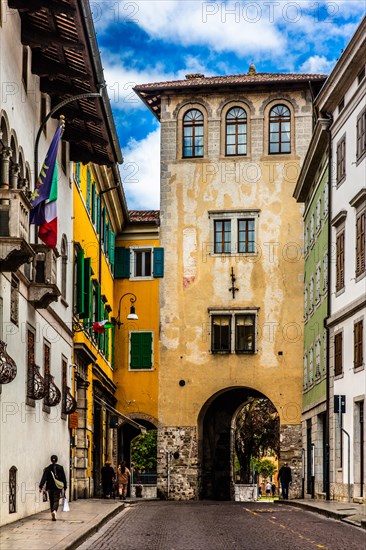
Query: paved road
[[223, 526]]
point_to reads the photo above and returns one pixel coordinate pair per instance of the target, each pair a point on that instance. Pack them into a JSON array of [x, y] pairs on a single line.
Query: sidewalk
[[38, 532], [349, 512]]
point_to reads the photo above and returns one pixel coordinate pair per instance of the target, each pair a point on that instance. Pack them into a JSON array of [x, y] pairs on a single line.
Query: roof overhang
[[66, 58]]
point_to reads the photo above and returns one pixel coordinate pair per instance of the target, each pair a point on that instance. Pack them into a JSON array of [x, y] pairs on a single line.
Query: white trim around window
[[232, 242], [141, 263], [233, 330]]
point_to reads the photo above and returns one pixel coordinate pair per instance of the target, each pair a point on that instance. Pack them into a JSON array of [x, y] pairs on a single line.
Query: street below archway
[[207, 525]]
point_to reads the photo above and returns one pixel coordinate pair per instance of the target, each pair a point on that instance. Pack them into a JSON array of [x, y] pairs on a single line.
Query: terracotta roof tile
[[201, 80], [146, 216]]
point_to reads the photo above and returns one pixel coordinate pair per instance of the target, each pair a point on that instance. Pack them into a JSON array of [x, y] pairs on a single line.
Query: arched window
[[64, 266], [236, 132], [279, 130], [193, 134]]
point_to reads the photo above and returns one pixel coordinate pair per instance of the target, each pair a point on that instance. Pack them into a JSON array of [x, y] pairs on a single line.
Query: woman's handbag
[[66, 507], [59, 484]]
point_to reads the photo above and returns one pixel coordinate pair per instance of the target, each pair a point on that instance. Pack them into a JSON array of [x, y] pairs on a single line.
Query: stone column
[[81, 483], [4, 167], [14, 174]]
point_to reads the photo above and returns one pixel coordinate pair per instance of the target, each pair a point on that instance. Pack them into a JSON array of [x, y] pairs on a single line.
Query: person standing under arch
[[123, 473], [285, 477]]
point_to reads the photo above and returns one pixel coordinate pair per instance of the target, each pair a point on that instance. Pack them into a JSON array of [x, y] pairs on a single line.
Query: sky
[[151, 41]]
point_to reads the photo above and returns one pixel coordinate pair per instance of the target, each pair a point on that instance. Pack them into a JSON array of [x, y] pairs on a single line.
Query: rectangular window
[[340, 261], [341, 159], [141, 350], [246, 235], [360, 243], [358, 344], [361, 134], [25, 67], [141, 263], [233, 332], [245, 333], [341, 105], [222, 236], [338, 354], [46, 370], [30, 364], [221, 333], [361, 75], [64, 386]]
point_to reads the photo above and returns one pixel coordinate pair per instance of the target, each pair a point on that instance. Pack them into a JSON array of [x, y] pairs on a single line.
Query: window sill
[[147, 278], [63, 302], [341, 181], [361, 158], [339, 376], [340, 291], [359, 368], [360, 277], [141, 370]]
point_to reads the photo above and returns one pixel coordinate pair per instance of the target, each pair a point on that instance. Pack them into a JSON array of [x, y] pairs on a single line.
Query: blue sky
[[149, 41]]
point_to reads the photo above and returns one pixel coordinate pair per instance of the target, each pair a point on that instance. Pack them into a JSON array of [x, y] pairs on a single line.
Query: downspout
[[326, 326]]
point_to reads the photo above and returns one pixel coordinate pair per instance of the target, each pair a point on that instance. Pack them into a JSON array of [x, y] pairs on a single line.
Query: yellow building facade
[[139, 268], [99, 214], [232, 299]]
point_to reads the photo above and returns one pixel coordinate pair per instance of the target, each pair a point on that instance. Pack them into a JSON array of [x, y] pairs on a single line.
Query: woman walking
[[123, 473]]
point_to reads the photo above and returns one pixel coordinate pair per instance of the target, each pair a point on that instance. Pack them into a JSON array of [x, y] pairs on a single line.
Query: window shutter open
[[86, 311], [88, 189], [158, 270], [80, 281], [112, 239], [98, 213], [93, 205], [121, 262]]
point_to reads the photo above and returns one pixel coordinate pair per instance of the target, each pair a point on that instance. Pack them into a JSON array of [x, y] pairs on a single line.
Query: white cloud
[[317, 64], [140, 172]]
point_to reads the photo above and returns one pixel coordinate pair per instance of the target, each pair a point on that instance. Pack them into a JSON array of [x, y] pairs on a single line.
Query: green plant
[[264, 467], [143, 451]]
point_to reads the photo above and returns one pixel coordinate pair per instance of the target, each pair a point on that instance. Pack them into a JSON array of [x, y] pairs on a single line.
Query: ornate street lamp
[[131, 316]]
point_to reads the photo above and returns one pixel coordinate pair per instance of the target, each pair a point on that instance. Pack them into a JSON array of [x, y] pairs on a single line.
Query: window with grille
[[341, 160], [13, 490], [14, 300], [340, 261], [360, 243], [193, 134], [279, 130], [236, 132], [338, 354], [358, 344]]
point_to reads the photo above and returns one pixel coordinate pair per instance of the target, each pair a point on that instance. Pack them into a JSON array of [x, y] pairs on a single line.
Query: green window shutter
[[141, 350], [79, 281], [98, 213], [88, 189], [121, 263], [86, 313], [103, 228], [77, 173], [158, 270], [112, 239], [106, 238], [112, 330], [93, 204]]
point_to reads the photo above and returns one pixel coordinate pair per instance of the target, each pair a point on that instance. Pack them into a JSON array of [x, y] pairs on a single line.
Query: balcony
[[15, 249], [43, 289]]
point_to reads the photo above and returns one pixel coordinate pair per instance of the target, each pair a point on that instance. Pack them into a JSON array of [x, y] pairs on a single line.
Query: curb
[[89, 530], [346, 518]]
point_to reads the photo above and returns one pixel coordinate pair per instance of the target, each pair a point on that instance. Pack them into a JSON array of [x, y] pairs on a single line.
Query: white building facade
[[34, 326], [344, 98]]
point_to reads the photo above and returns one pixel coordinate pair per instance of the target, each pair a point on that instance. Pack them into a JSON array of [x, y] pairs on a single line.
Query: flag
[[44, 198], [101, 326]]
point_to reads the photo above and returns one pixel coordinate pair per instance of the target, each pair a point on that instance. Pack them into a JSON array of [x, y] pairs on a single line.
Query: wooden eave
[[65, 56], [152, 97]]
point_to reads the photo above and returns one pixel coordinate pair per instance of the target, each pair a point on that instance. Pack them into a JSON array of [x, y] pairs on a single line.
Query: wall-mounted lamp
[[131, 316]]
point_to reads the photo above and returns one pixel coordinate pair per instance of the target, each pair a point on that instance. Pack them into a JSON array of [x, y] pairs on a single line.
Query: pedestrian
[[273, 489], [54, 482], [107, 479], [285, 477], [123, 473], [268, 488]]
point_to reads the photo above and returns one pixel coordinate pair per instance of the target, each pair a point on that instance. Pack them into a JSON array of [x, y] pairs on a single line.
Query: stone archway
[[215, 442]]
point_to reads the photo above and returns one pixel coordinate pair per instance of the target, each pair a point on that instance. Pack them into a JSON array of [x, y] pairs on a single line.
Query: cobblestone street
[[223, 526]]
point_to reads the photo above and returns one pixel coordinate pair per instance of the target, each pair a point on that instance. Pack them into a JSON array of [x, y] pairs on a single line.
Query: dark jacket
[[47, 477], [284, 475]]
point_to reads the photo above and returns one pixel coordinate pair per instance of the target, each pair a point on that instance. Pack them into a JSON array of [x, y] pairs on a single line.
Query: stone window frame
[[14, 300], [64, 364], [305, 369], [325, 200], [46, 368], [318, 293], [306, 302], [311, 365], [318, 216], [361, 136], [341, 157], [358, 202], [233, 216], [312, 230], [325, 273], [267, 110], [325, 351], [64, 265], [188, 106], [338, 337], [339, 223], [30, 359], [318, 347], [225, 109], [233, 313], [142, 248], [359, 322], [311, 294]]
